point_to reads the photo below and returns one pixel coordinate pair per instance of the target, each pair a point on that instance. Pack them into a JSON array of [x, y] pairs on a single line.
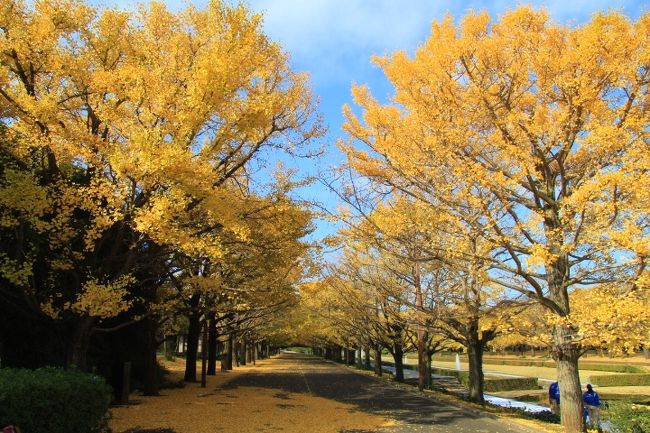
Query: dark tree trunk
[[194, 329], [230, 347], [204, 354], [398, 356], [366, 360], [475, 359], [422, 361], [378, 370], [224, 356], [212, 346], [338, 356], [79, 342], [150, 383], [428, 369], [243, 348], [349, 356]]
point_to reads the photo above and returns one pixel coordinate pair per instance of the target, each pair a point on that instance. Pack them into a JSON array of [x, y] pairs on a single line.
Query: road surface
[[292, 373]]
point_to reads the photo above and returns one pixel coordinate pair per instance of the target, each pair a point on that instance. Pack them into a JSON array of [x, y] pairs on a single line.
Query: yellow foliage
[[530, 137], [102, 300], [143, 121]]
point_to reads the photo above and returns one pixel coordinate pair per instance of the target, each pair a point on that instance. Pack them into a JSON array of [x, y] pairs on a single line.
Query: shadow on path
[[298, 373]]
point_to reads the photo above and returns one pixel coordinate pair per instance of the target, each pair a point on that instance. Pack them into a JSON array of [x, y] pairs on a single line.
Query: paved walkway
[[295, 373]]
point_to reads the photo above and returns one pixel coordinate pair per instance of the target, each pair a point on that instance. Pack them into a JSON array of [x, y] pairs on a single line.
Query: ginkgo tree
[[542, 130], [445, 288], [124, 135]]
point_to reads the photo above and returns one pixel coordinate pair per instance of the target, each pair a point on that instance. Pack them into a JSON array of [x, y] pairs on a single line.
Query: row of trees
[[132, 193], [503, 189]]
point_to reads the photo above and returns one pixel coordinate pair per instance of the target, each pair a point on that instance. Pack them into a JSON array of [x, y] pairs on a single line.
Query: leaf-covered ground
[[223, 408], [295, 393]]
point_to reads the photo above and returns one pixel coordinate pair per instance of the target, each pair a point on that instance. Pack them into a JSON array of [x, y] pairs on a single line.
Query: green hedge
[[448, 372], [495, 384], [492, 383], [614, 368], [621, 380], [51, 400]]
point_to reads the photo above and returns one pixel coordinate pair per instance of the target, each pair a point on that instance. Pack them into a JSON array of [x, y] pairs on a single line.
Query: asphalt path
[[297, 373]]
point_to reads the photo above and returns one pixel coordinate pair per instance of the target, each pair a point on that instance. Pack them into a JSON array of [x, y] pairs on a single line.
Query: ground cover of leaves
[[216, 408]]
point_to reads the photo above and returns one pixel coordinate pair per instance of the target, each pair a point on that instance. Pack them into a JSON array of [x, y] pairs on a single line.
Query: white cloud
[[316, 27]]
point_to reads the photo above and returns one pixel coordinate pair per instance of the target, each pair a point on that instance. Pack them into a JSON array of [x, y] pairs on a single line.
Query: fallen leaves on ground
[[217, 408]]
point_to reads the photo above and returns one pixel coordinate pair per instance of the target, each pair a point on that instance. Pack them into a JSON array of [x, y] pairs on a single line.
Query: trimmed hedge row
[[492, 383], [614, 368], [621, 380], [50, 400], [495, 384]]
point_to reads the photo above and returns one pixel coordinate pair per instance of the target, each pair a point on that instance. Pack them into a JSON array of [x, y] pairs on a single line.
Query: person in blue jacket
[[592, 404], [554, 397]]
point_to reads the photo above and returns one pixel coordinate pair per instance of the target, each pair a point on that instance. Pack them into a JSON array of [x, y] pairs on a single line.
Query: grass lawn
[[638, 360], [539, 372]]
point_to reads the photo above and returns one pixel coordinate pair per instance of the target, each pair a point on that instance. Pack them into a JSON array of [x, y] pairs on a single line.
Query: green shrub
[[628, 417], [50, 400], [614, 368], [492, 383], [495, 384], [621, 380]]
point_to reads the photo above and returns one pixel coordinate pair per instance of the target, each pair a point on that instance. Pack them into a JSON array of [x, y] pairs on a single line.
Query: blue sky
[[333, 41]]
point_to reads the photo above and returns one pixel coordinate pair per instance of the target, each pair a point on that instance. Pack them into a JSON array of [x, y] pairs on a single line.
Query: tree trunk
[[422, 370], [212, 346], [194, 329], [475, 359], [224, 356], [566, 355], [338, 357], [366, 360], [422, 361], [80, 340], [398, 356], [230, 347], [428, 368], [378, 370], [204, 354], [192, 348], [646, 352], [243, 348], [150, 385], [349, 356]]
